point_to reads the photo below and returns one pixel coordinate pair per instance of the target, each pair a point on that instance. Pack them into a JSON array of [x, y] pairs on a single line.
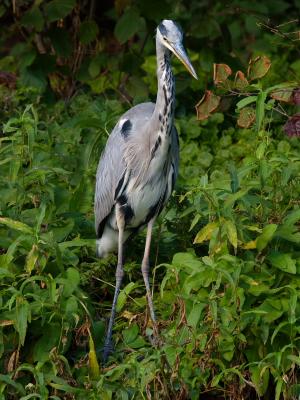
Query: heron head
[[171, 36]]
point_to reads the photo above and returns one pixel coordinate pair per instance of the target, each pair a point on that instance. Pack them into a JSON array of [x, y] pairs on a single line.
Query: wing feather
[[112, 170]]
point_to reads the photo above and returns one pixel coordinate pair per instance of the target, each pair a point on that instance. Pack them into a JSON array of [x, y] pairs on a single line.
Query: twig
[[276, 31]]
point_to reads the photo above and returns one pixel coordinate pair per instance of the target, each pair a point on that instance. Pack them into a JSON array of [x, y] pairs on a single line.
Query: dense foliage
[[225, 254]]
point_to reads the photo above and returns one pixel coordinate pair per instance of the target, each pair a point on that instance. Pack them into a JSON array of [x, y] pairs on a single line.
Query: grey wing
[[175, 154], [112, 166]]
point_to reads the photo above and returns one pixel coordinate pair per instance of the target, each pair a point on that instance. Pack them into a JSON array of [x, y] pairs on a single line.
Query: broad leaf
[[17, 225], [260, 109], [21, 317], [282, 261], [123, 295], [207, 105], [93, 362], [128, 25], [245, 102], [258, 67], [58, 9], [33, 18], [221, 73], [266, 236], [240, 81], [88, 32], [32, 259], [246, 117], [283, 95], [206, 232], [231, 233]]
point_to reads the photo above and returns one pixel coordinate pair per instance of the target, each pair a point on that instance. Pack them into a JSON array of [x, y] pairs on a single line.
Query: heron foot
[[155, 339]]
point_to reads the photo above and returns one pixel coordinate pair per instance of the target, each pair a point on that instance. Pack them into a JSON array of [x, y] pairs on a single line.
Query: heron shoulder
[[140, 111]]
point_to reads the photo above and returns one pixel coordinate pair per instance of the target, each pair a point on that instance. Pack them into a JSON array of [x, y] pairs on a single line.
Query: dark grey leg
[[119, 276], [145, 272]]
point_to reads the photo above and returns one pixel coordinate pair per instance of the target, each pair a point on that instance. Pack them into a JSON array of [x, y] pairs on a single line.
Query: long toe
[[155, 339]]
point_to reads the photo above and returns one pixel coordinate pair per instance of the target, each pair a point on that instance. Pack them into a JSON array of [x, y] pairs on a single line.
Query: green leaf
[[71, 305], [40, 218], [206, 232], [171, 353], [278, 328], [21, 317], [188, 261], [137, 88], [216, 379], [128, 25], [71, 282], [58, 9], [77, 243], [261, 150], [266, 236], [93, 362], [61, 232], [260, 109], [88, 32], [124, 294], [294, 359], [33, 18], [49, 339], [17, 225], [24, 53], [284, 262], [231, 233], [292, 217], [82, 197], [155, 10], [8, 381], [61, 41], [130, 334], [33, 77], [278, 388], [195, 221], [33, 396], [195, 314], [100, 84], [232, 198], [31, 259], [138, 343], [260, 378], [245, 102], [95, 67]]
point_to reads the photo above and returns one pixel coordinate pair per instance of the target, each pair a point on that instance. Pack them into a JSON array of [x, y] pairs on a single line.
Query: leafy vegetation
[[226, 256]]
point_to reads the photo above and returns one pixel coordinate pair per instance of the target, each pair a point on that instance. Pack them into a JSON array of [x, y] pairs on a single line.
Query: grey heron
[[139, 166]]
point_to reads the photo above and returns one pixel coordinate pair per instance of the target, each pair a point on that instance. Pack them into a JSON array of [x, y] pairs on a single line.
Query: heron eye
[[164, 37]]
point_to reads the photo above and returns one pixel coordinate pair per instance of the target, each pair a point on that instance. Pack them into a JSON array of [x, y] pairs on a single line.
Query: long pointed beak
[[180, 53]]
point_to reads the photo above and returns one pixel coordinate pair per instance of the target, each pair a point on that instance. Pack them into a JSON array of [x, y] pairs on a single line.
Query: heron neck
[[165, 101]]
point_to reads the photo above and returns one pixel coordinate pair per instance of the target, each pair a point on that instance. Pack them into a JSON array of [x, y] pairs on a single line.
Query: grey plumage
[[139, 166], [133, 164]]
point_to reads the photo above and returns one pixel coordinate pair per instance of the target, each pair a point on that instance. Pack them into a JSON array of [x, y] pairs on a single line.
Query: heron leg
[[145, 272], [119, 277]]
